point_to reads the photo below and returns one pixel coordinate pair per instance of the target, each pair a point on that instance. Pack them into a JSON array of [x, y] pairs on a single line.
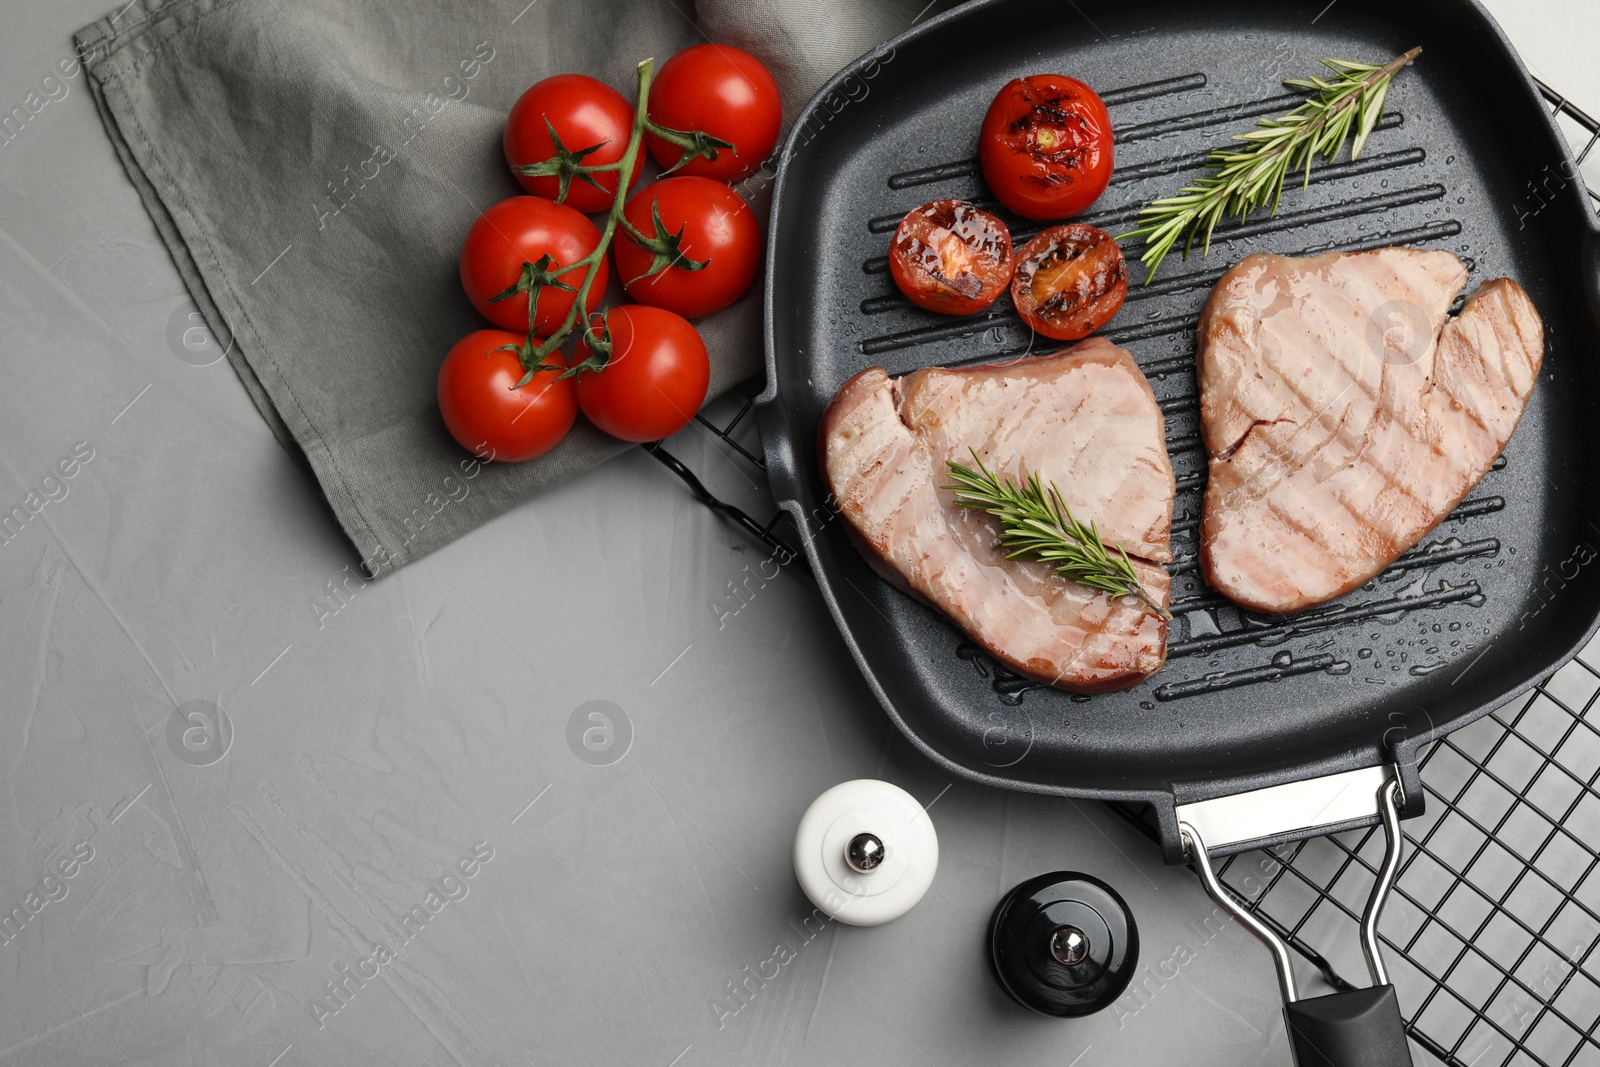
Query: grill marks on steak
[[1346, 413], [1084, 419]]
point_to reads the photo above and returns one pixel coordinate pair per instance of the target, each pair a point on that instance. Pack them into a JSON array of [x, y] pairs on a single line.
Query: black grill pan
[[1260, 728], [1501, 593]]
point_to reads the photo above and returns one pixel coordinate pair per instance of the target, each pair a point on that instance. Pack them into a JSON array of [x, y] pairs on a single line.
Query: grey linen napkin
[[313, 165]]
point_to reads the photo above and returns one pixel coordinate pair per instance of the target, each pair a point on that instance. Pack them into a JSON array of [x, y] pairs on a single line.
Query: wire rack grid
[[1493, 927]]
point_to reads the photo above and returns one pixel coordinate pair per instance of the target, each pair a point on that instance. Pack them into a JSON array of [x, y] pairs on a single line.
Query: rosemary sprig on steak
[[1036, 524]]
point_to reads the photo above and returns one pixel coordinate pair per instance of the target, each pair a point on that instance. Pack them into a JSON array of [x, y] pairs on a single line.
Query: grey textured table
[[393, 843]]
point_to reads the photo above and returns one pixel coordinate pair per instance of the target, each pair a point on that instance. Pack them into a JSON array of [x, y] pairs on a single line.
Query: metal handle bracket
[[1291, 808], [1387, 794]]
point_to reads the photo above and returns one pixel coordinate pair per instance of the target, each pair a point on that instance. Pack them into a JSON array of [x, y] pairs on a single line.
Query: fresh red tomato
[[719, 230], [522, 229], [951, 257], [655, 379], [1045, 146], [585, 113], [720, 90], [489, 417], [1070, 281]]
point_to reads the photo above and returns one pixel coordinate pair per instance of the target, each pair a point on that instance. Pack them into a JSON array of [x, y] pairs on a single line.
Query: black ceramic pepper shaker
[[1063, 944]]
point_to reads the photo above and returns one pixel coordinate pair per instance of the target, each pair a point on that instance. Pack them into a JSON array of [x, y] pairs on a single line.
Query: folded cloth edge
[[117, 47]]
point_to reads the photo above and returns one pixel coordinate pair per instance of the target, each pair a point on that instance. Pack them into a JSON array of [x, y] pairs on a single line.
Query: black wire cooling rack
[[1493, 926]]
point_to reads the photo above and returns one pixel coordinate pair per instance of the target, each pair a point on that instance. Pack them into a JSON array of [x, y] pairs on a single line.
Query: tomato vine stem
[[538, 276], [566, 165]]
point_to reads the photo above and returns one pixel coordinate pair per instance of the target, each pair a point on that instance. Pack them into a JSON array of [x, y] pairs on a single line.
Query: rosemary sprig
[[1252, 177], [1036, 524]]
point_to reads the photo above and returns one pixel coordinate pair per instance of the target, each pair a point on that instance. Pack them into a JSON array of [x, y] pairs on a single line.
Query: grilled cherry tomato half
[[584, 113], [654, 381], [487, 415], [523, 229], [1070, 281], [951, 257], [719, 230], [723, 91], [1045, 146]]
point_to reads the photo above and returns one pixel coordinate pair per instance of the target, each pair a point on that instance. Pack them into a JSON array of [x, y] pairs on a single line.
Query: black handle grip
[[1361, 1028]]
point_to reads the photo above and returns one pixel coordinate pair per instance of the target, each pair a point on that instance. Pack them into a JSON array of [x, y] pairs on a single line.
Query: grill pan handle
[[1356, 1028], [1361, 1028]]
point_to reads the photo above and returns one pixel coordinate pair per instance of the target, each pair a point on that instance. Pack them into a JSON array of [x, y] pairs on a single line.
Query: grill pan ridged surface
[[1486, 604]]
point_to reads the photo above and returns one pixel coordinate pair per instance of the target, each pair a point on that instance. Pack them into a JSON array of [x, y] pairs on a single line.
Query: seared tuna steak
[[1083, 419], [1346, 413]]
